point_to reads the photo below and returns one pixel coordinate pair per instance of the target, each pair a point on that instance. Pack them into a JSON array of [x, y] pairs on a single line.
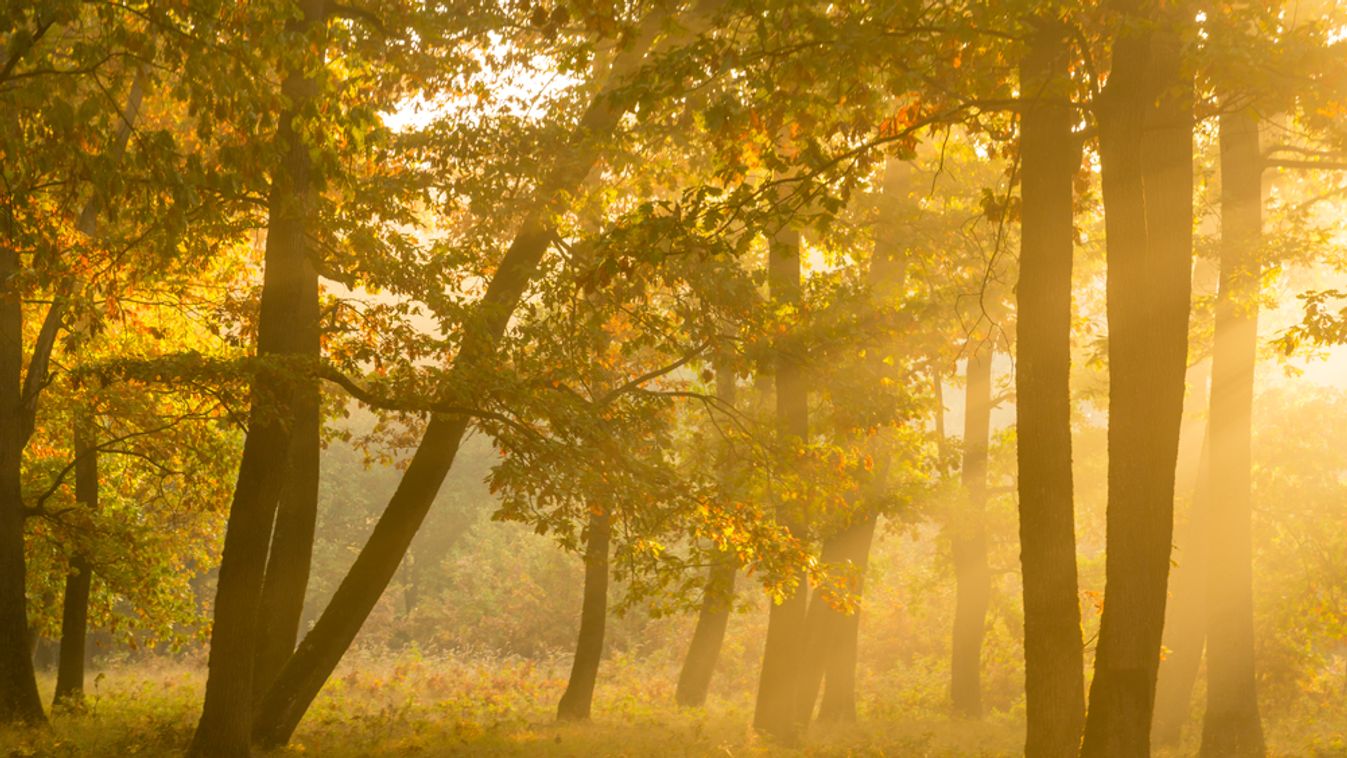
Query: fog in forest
[[664, 377]]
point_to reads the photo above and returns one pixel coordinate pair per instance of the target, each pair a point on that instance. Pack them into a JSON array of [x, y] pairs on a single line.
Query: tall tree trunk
[[19, 392], [1146, 129], [322, 648], [833, 637], [579, 696], [1185, 615], [19, 700], [75, 604], [291, 552], [1232, 726], [1054, 683], [225, 727], [718, 596], [776, 712], [968, 535]]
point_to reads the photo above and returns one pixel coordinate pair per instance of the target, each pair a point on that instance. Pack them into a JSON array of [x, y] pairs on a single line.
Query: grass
[[487, 706]]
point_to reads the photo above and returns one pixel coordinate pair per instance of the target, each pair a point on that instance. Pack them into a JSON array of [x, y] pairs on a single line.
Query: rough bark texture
[[1232, 726], [225, 727], [318, 654], [1146, 128], [968, 541], [75, 604], [694, 680], [776, 712], [1053, 649], [19, 700], [579, 695], [1185, 632]]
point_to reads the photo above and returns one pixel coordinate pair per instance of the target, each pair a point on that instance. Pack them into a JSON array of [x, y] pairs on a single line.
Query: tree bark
[[19, 700], [1185, 631], [718, 596], [838, 703], [579, 696], [75, 604], [968, 535], [291, 552], [225, 727], [776, 713], [1232, 726], [1049, 158], [1146, 128], [322, 648]]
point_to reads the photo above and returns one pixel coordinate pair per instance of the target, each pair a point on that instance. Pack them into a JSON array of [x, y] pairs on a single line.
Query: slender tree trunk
[[579, 696], [1049, 158], [75, 604], [291, 553], [839, 681], [969, 541], [1146, 128], [1185, 616], [833, 637], [776, 713], [19, 392], [718, 596], [322, 648], [1232, 726], [19, 700], [225, 727]]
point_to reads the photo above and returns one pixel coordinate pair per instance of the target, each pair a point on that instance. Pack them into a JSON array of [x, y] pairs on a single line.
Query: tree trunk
[[833, 637], [1185, 616], [969, 541], [1049, 158], [322, 648], [75, 604], [225, 727], [291, 553], [839, 671], [19, 700], [776, 713], [1146, 129], [718, 597], [1232, 726], [579, 696]]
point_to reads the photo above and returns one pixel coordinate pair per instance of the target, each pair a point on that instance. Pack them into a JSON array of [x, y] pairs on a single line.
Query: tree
[[1232, 726], [1145, 120], [775, 712], [1049, 158], [969, 538]]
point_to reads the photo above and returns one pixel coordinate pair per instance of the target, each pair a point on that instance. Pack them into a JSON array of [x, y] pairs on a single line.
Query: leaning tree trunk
[[1232, 726], [323, 647], [1185, 632], [776, 712], [579, 696], [839, 667], [1146, 130], [718, 595], [1049, 158], [75, 604], [832, 636], [968, 538], [225, 727]]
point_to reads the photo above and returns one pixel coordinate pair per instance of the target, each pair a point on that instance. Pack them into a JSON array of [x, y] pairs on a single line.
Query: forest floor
[[416, 706]]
